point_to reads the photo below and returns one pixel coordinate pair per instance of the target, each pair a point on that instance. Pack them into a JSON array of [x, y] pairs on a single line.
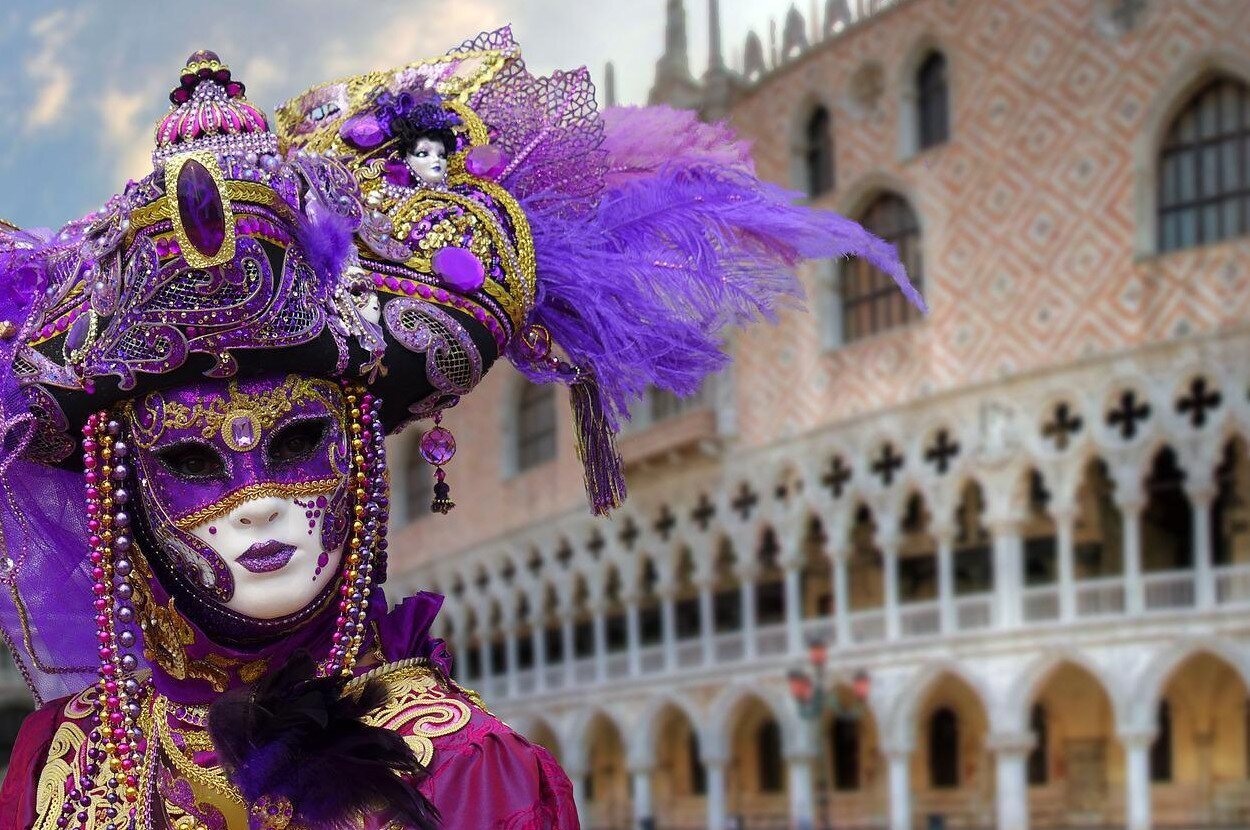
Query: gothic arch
[[644, 739], [1026, 687], [1152, 679], [898, 725], [728, 704]]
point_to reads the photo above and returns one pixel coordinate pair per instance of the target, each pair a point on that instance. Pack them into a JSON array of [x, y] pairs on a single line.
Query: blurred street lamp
[[814, 698]]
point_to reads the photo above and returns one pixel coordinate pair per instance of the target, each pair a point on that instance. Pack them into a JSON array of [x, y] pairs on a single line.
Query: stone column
[[898, 760], [1011, 753], [601, 643], [668, 620], [641, 784], [945, 536], [510, 662], [576, 771], [802, 792], [1130, 509], [566, 644], [1008, 572], [1065, 554], [716, 806], [1201, 495], [888, 542], [841, 599], [1137, 778], [747, 597], [707, 623], [633, 634], [538, 644], [485, 676], [794, 606]]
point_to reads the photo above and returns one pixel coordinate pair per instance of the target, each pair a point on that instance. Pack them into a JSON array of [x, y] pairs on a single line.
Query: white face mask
[[272, 548], [428, 161]]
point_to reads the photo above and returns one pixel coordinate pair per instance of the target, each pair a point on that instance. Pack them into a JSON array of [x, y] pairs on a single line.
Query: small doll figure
[[418, 135]]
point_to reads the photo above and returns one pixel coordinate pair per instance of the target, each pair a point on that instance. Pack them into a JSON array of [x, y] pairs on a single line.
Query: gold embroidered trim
[[260, 490], [210, 778], [212, 417], [419, 709]]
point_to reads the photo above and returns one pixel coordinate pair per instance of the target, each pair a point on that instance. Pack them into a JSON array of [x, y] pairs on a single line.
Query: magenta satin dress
[[485, 775]]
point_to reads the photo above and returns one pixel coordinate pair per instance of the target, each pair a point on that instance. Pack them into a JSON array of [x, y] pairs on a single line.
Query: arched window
[[944, 749], [1039, 757], [535, 426], [1161, 749], [420, 484], [1204, 168], [844, 740], [932, 102], [1167, 520], [768, 747], [871, 302], [818, 167]]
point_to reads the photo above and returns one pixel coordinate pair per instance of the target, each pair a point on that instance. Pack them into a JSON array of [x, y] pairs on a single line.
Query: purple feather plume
[[640, 291]]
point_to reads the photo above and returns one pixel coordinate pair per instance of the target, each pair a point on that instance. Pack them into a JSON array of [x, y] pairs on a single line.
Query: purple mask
[[244, 486]]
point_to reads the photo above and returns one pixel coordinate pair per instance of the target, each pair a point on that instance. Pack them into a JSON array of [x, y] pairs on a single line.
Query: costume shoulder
[[47, 748], [482, 773]]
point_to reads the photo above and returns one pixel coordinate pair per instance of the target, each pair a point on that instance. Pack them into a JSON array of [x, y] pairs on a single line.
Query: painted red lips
[[264, 557]]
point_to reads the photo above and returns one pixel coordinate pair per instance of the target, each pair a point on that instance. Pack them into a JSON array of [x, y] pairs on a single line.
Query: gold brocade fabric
[[181, 785]]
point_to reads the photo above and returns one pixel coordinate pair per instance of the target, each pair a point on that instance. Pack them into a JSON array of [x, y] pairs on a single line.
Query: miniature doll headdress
[[642, 234]]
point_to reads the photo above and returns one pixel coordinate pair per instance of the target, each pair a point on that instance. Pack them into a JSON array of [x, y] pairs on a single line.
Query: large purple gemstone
[[458, 268], [200, 208]]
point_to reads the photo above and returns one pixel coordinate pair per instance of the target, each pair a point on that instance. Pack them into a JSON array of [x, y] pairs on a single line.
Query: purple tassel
[[596, 448]]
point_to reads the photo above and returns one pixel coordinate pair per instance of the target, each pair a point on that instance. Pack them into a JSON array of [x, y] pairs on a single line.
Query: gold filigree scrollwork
[[419, 709]]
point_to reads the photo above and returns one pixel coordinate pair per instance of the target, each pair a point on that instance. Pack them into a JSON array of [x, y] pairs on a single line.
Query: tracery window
[[818, 166], [535, 426], [420, 481], [1204, 168], [932, 102], [871, 302]]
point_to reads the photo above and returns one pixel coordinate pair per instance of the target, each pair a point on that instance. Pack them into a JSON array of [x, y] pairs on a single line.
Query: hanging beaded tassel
[[437, 448], [116, 739], [367, 541]]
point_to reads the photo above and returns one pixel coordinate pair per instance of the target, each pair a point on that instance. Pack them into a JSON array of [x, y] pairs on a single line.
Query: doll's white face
[[273, 548], [428, 161]]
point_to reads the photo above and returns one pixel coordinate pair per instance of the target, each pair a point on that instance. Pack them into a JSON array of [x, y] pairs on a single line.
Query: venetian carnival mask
[[428, 161], [243, 484]]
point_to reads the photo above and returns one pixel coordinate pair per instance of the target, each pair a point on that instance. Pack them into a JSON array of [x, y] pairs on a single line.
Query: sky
[[83, 83]]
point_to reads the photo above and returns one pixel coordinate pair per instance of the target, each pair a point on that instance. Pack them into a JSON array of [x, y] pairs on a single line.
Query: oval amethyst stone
[[200, 208], [78, 333], [458, 268]]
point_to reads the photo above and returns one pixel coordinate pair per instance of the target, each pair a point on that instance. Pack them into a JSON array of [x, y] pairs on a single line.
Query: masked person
[[195, 387]]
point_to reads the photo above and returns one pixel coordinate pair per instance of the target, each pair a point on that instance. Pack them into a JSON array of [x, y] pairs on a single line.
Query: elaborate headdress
[[606, 252]]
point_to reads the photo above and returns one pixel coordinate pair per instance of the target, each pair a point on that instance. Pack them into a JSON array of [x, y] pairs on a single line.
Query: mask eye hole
[[193, 461], [297, 441]]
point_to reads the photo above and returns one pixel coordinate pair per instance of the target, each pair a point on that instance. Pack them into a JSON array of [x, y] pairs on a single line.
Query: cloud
[[48, 67], [126, 132]]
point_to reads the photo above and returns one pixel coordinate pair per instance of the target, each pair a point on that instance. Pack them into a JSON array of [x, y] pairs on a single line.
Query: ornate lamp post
[[813, 697]]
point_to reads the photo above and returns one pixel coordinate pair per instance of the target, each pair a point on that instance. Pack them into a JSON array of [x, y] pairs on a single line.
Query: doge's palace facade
[[1021, 525]]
